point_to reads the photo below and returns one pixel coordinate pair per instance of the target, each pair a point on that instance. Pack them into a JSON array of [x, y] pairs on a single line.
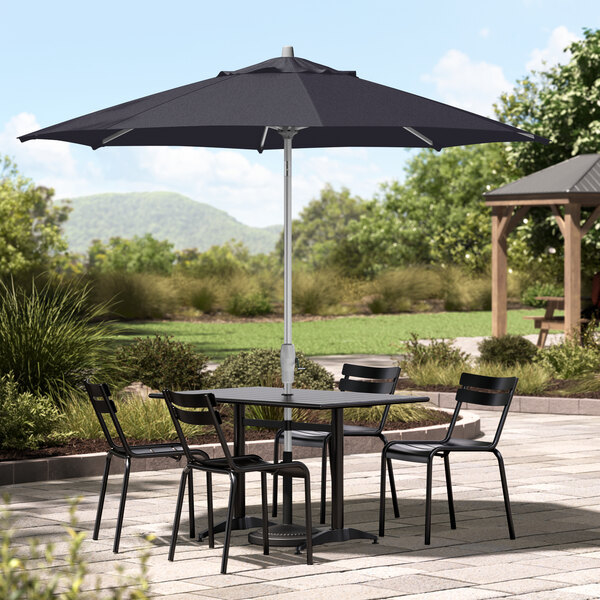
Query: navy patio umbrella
[[271, 105]]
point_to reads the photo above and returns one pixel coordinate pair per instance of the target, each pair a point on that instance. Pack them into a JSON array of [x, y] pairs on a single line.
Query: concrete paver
[[552, 463]]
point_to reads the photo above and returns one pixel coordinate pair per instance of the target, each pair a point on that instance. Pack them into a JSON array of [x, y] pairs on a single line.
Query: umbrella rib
[[418, 134]]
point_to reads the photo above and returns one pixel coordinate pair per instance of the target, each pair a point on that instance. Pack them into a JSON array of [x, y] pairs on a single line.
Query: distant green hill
[[166, 215]]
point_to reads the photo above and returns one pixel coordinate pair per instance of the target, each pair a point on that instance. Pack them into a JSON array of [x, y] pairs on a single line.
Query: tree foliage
[[137, 255], [30, 225], [561, 103], [322, 227], [437, 216]]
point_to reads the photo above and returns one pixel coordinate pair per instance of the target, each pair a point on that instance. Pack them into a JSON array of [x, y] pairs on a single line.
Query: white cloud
[[484, 33], [553, 53], [471, 85], [48, 156]]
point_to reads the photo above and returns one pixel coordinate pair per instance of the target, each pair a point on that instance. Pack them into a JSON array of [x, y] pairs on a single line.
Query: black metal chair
[[376, 380], [475, 389], [99, 394], [203, 413]]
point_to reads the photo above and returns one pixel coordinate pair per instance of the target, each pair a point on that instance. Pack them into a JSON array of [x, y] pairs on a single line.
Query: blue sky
[[63, 59]]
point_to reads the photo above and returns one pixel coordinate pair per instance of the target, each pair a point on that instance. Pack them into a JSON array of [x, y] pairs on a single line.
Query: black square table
[[308, 399]]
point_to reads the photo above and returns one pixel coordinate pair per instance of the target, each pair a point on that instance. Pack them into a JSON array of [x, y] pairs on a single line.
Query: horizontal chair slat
[[374, 387], [487, 383], [483, 398], [195, 418], [367, 372]]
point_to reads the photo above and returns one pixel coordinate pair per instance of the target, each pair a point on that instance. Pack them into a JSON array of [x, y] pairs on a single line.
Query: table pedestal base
[[326, 536], [282, 535]]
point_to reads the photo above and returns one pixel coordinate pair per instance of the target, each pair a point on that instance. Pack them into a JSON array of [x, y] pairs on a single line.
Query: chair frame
[[475, 389], [179, 404], [376, 380], [100, 397]]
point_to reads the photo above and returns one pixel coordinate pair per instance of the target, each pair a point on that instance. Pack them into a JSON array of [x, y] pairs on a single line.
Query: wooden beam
[[572, 277], [591, 220], [516, 219], [559, 220], [500, 214]]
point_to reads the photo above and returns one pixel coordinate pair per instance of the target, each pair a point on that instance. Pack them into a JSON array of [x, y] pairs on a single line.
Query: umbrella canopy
[[232, 110]]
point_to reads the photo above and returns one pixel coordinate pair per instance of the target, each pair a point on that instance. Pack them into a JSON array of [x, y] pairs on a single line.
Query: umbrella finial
[[288, 52]]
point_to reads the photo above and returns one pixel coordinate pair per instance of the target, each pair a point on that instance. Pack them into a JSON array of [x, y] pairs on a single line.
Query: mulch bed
[[81, 446]]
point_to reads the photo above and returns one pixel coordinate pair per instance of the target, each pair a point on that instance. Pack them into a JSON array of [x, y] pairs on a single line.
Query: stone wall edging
[[88, 465]]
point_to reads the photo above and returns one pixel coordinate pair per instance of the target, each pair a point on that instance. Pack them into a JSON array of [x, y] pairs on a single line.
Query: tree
[[561, 103], [437, 215], [323, 226], [30, 225], [137, 255]]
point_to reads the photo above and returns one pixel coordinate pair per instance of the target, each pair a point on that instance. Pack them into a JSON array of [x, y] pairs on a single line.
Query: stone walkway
[[553, 469]]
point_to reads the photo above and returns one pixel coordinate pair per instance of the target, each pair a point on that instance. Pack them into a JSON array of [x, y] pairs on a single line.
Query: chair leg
[[101, 498], [384, 462], [323, 482], [232, 488], [511, 528], [275, 461], [449, 491], [122, 505], [265, 512], [178, 506], [428, 501], [308, 520], [191, 504], [209, 507], [393, 489]]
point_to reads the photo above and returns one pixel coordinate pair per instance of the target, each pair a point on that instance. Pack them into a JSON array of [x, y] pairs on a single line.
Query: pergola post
[[499, 270], [572, 276]]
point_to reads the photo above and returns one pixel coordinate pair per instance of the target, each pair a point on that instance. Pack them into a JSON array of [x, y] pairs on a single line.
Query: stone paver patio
[[553, 470]]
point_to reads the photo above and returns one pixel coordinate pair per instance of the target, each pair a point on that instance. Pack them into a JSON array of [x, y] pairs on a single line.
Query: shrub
[[439, 352], [507, 350], [162, 362], [262, 368], [203, 299], [32, 575], [540, 289], [249, 305], [463, 291], [134, 296], [26, 421], [569, 360], [51, 338], [397, 290]]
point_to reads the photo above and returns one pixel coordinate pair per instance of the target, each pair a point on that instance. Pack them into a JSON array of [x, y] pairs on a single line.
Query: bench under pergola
[[565, 188]]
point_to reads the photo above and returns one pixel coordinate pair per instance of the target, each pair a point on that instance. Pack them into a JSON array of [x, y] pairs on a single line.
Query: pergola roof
[[575, 178]]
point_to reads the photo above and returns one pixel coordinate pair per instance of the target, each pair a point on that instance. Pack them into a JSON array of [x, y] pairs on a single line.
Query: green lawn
[[378, 334]]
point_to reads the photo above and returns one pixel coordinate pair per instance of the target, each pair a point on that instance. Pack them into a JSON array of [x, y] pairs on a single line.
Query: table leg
[[337, 533]]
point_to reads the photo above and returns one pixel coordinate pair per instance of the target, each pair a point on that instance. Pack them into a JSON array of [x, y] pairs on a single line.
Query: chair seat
[[420, 451], [307, 437], [157, 450], [252, 462]]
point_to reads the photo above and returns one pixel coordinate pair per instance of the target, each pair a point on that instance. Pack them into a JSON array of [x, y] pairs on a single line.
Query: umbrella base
[[282, 535]]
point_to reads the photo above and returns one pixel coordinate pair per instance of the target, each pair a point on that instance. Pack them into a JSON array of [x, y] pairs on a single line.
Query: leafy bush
[[51, 338], [249, 305], [262, 367], [508, 350], [26, 421], [162, 362], [463, 291], [540, 289], [569, 360], [134, 296], [32, 575], [439, 352], [397, 290]]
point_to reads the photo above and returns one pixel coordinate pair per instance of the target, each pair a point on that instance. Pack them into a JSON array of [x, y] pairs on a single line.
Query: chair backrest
[[484, 391], [370, 380], [196, 409], [99, 394]]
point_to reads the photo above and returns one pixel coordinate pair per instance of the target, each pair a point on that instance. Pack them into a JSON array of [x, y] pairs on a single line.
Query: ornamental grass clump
[[52, 337]]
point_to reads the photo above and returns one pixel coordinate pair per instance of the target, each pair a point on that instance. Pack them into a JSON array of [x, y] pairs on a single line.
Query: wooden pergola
[[565, 188]]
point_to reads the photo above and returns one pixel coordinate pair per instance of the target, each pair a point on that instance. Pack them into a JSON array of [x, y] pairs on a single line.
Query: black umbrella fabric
[[334, 108]]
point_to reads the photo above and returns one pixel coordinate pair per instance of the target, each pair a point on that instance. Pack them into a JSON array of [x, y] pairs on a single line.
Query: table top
[[314, 399]]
